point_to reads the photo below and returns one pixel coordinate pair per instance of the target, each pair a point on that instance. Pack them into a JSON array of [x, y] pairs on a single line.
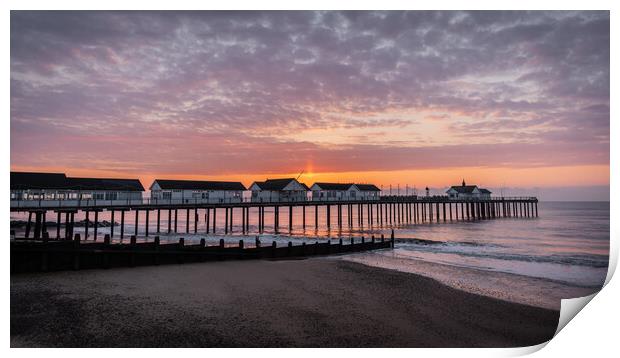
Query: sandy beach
[[303, 303]]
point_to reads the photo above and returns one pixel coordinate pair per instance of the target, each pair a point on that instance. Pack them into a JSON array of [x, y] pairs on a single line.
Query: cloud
[[172, 89]]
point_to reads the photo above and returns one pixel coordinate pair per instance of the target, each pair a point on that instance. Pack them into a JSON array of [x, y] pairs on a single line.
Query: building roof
[[105, 184], [334, 186], [26, 180], [199, 185], [367, 187], [484, 191], [277, 184], [464, 189]]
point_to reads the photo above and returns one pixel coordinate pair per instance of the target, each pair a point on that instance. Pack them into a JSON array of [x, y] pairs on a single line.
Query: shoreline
[[511, 287], [314, 302]]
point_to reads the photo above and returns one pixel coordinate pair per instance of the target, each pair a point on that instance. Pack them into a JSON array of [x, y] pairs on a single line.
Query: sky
[[512, 101]]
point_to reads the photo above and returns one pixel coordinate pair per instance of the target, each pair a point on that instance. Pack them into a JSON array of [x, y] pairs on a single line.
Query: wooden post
[[303, 217], [392, 238], [76, 252], [176, 220], [156, 249]]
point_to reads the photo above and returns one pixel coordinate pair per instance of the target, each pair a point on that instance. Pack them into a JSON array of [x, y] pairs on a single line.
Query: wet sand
[[305, 303]]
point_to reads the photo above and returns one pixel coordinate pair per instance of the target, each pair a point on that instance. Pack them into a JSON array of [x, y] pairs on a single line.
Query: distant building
[[468, 192], [340, 192], [196, 191], [28, 186], [276, 190], [368, 191], [333, 191]]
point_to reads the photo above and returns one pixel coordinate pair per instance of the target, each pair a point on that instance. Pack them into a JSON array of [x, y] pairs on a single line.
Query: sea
[[562, 253]]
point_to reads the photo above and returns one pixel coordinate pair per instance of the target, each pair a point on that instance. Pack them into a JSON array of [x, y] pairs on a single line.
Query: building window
[[167, 195]]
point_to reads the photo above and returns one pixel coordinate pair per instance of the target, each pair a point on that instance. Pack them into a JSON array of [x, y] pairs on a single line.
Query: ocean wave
[[464, 249]]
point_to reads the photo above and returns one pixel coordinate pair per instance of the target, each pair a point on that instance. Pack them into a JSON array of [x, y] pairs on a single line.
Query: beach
[[316, 302]]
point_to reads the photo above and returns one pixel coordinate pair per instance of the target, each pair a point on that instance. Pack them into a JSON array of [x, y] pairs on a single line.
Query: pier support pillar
[[316, 217], [96, 226], [158, 220], [187, 221], [328, 216], [231, 219], [169, 220], [290, 218], [122, 224], [195, 220], [136, 228], [58, 226], [86, 225], [226, 221], [207, 212], [28, 224], [37, 224], [146, 223], [214, 218]]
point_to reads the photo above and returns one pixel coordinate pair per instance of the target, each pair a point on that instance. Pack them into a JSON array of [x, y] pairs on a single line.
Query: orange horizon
[[561, 176]]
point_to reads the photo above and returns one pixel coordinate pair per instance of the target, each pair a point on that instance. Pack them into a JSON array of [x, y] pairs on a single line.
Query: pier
[[387, 211]]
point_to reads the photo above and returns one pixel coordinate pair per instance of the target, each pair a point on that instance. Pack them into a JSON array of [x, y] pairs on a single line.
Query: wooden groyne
[[387, 211], [58, 255]]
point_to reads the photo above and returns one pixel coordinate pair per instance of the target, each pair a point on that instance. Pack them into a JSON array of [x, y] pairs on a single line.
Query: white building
[[468, 192], [334, 192], [368, 191], [278, 190], [56, 189], [196, 191]]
